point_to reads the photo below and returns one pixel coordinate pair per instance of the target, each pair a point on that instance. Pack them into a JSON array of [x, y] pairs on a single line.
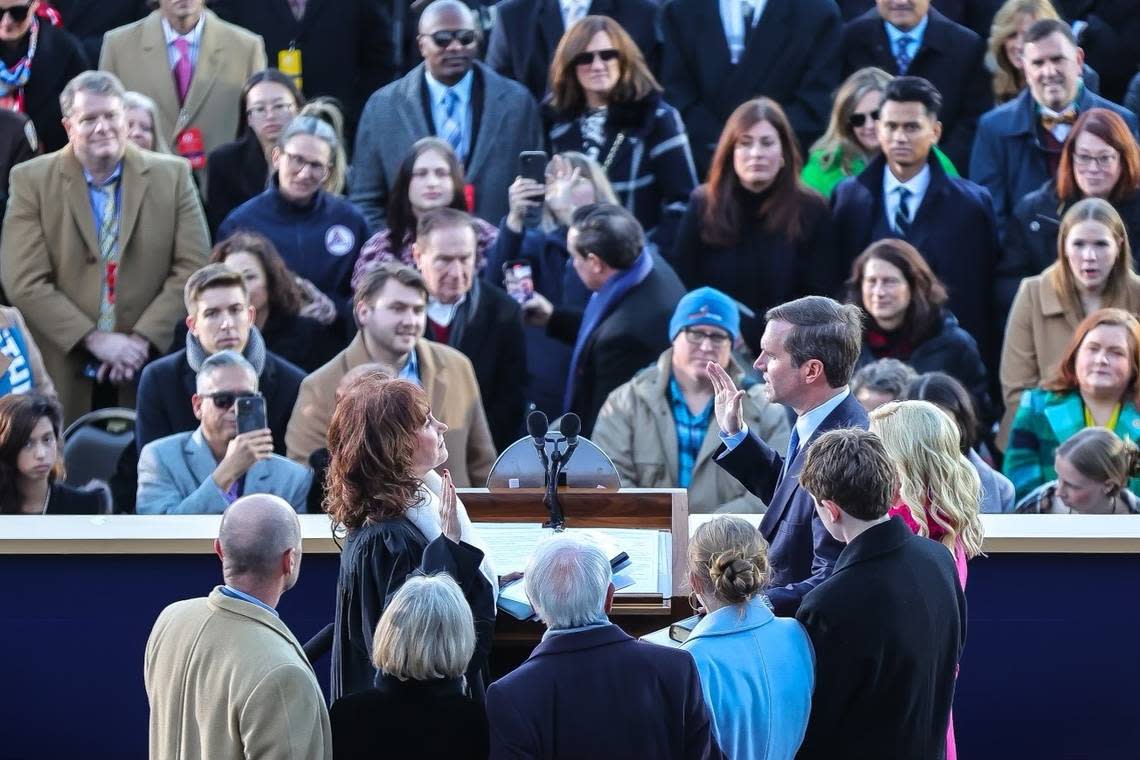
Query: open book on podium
[[648, 525]]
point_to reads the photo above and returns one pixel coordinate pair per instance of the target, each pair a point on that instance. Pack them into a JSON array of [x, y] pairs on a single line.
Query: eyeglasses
[[588, 58], [1104, 161], [19, 13], [298, 164], [697, 337], [226, 399], [444, 37], [276, 109], [859, 119]]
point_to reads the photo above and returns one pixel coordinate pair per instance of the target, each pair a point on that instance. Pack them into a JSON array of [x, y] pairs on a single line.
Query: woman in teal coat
[[757, 670], [852, 140]]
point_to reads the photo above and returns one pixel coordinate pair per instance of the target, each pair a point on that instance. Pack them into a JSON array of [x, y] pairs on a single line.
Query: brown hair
[[839, 144], [208, 277], [19, 415], [851, 468], [373, 282], [372, 443], [730, 557], [1008, 79], [281, 290], [927, 293], [1108, 126], [783, 205], [635, 81], [401, 216], [1065, 378], [1061, 276]]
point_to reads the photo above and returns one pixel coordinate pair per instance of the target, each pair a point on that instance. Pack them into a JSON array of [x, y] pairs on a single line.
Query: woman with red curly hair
[[398, 517]]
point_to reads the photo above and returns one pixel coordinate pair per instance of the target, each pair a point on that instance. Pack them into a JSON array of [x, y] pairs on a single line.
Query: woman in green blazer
[[852, 140], [1095, 386]]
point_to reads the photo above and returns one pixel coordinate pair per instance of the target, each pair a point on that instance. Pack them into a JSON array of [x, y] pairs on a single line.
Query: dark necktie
[[793, 450], [902, 213]]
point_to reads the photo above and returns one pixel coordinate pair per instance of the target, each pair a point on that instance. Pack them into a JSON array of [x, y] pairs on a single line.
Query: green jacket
[[825, 180], [1043, 421]]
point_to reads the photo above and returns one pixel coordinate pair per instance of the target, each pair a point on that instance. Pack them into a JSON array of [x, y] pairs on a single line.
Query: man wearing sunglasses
[[206, 470], [487, 119]]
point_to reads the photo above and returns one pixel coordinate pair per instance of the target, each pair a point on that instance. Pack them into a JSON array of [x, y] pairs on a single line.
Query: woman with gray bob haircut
[[569, 583], [421, 648]]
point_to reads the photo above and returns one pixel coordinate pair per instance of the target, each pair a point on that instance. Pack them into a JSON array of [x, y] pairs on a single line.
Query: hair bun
[[736, 578], [1131, 458]]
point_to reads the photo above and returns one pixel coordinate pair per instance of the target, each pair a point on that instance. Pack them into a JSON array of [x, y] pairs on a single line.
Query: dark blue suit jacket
[[800, 550], [953, 229], [600, 693]]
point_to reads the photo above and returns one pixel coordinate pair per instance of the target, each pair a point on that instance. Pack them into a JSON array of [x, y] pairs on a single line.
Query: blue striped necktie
[[902, 57], [902, 213], [452, 131]]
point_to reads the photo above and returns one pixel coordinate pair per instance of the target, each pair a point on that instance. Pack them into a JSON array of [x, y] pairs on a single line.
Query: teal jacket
[[1043, 421], [824, 180]]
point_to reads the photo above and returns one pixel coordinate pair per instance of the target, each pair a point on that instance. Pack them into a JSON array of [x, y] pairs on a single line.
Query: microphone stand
[[558, 458]]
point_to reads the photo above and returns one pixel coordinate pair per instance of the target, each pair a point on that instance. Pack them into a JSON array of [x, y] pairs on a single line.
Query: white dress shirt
[[193, 37], [917, 185], [736, 26]]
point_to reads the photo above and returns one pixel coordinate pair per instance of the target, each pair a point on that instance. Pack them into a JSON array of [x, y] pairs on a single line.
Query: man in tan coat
[[659, 428], [147, 56], [99, 238], [389, 306], [224, 676]]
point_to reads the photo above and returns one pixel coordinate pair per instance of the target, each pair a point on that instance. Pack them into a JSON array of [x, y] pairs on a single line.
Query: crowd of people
[[322, 251]]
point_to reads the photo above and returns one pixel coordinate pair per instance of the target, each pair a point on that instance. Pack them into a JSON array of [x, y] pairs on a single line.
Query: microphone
[[536, 427], [571, 426]]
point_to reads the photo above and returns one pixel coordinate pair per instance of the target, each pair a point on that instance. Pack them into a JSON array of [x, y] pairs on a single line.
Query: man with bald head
[[224, 676], [486, 118]]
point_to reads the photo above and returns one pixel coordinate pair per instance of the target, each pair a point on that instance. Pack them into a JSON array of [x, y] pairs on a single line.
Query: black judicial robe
[[376, 560]]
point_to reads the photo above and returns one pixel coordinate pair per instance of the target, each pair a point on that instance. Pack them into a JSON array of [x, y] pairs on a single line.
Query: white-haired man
[[589, 689]]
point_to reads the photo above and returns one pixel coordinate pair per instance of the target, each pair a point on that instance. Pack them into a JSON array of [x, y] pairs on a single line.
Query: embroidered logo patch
[[339, 240]]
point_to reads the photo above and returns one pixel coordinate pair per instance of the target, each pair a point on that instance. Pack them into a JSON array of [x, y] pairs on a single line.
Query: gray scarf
[[254, 352]]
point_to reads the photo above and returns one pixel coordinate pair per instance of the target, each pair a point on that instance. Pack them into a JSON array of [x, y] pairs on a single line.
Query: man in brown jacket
[[389, 306], [225, 678], [99, 238]]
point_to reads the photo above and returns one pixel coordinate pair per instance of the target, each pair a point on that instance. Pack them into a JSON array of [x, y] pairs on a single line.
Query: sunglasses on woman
[[444, 37], [859, 119], [19, 13], [588, 58]]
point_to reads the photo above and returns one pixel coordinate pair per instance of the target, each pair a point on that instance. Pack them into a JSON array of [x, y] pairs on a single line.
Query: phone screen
[[518, 280], [251, 414]]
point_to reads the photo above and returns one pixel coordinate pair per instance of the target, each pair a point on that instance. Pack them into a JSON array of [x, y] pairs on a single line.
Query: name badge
[[289, 62], [189, 145]]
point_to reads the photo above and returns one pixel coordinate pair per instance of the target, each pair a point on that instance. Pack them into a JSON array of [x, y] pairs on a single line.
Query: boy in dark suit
[[888, 626]]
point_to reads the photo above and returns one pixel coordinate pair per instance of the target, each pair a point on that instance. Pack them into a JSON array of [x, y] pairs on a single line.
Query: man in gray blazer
[[487, 118], [208, 469]]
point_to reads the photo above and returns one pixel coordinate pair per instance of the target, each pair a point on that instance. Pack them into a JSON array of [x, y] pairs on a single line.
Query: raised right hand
[[728, 404], [243, 452], [522, 194]]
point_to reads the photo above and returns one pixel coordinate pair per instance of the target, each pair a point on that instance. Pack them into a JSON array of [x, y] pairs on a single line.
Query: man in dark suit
[[977, 15], [807, 353], [625, 324], [487, 119], [888, 626], [588, 689], [527, 32], [1018, 145], [787, 50], [913, 39], [220, 318], [345, 48], [478, 319], [904, 193]]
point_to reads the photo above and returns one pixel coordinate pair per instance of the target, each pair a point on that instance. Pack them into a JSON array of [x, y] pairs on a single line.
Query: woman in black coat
[[906, 319], [1100, 159], [754, 231], [418, 707]]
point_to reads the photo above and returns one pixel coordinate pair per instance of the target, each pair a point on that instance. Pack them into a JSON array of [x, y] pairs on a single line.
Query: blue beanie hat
[[706, 306]]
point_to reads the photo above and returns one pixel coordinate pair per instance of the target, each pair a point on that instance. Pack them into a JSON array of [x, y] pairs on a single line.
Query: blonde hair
[[328, 110], [426, 632], [592, 172], [1100, 454], [133, 99], [839, 142], [937, 483], [1008, 79], [730, 557]]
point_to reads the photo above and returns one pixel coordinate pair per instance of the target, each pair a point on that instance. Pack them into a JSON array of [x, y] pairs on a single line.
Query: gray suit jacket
[[174, 478], [395, 118]]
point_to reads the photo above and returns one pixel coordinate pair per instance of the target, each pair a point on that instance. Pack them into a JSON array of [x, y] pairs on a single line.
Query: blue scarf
[[17, 76], [598, 308]]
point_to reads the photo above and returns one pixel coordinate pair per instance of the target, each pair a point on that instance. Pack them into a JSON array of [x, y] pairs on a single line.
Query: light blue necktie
[[452, 131], [902, 58]]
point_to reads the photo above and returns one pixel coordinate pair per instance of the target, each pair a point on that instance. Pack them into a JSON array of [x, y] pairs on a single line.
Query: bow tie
[[1068, 117]]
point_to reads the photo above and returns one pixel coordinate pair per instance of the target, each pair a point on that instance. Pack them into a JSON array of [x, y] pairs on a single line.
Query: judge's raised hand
[[728, 401], [448, 512]]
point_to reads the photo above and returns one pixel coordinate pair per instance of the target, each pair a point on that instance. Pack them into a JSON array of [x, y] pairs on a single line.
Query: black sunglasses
[[588, 58], [226, 399], [19, 13], [443, 38], [858, 119]]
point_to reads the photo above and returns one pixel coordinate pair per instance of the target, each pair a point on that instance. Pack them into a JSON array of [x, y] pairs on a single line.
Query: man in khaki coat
[[99, 238], [669, 403], [145, 55], [389, 306], [224, 676]]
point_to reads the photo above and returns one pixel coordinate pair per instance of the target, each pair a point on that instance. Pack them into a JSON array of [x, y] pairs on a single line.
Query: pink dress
[[936, 533]]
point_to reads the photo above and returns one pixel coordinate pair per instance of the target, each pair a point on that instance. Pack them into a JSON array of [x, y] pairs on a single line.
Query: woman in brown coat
[[1093, 271]]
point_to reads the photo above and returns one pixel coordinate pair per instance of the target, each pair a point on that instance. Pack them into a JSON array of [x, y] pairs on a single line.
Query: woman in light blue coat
[[757, 670]]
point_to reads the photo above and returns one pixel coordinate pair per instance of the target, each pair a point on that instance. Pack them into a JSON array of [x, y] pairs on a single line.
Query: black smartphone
[[532, 166], [251, 413]]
